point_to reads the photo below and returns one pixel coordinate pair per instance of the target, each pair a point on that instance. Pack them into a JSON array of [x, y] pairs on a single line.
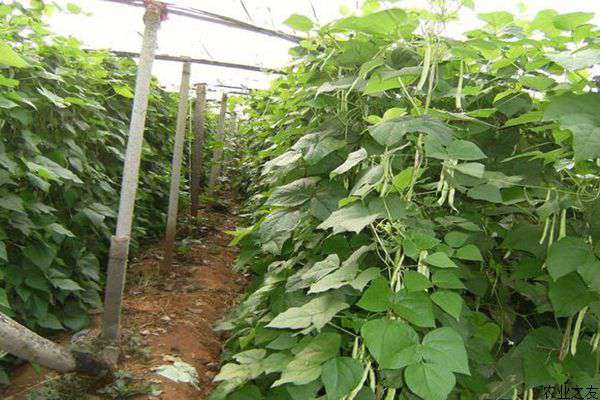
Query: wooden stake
[[119, 247], [215, 170], [176, 167], [196, 179]]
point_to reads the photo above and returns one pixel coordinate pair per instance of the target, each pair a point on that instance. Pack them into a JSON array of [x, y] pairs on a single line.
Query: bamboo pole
[[119, 246], [176, 167], [215, 170], [199, 112]]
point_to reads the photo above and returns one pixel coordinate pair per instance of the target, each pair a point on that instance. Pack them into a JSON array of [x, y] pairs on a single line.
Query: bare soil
[[171, 315]]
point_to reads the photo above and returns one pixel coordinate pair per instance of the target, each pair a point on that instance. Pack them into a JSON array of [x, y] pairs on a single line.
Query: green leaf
[[306, 366], [392, 207], [73, 8], [386, 339], [335, 280], [123, 90], [316, 146], [456, 238], [464, 150], [377, 297], [349, 219], [415, 307], [497, 19], [579, 114], [403, 179], [568, 295], [566, 255], [444, 346], [390, 133], [590, 273], [293, 194], [314, 314], [570, 21], [40, 255], [12, 202], [276, 229], [3, 253], [544, 21], [366, 183], [8, 82], [340, 376], [387, 22], [537, 82], [49, 321], [52, 97], [450, 302], [299, 23], [9, 57], [326, 199], [250, 366], [576, 61], [472, 169], [446, 279], [527, 118], [276, 362], [66, 284], [60, 230], [4, 299], [353, 160], [486, 192], [429, 381], [388, 80], [469, 252], [440, 260], [248, 392], [416, 281]]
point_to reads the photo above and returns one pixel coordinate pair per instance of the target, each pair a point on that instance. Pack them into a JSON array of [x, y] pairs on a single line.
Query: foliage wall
[[428, 218], [64, 117]]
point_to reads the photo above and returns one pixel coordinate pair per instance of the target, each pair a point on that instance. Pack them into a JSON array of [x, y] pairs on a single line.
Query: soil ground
[[172, 315]]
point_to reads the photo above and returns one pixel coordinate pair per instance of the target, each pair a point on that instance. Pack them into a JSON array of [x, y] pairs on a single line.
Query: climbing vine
[[427, 217]]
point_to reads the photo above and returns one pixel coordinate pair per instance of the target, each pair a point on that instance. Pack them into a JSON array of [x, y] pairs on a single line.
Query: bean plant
[[425, 212]]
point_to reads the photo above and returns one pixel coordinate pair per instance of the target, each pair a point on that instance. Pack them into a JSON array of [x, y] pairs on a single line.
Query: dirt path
[[172, 316]]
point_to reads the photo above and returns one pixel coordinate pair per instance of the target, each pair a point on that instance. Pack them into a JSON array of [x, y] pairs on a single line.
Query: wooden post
[[215, 170], [176, 167], [19, 341], [196, 180], [23, 343], [119, 245]]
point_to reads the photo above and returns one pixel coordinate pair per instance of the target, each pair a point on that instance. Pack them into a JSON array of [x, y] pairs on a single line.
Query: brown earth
[[172, 315]]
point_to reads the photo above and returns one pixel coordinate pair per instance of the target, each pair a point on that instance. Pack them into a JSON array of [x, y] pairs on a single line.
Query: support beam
[[182, 111], [215, 170], [216, 19], [196, 180], [119, 246], [203, 61]]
